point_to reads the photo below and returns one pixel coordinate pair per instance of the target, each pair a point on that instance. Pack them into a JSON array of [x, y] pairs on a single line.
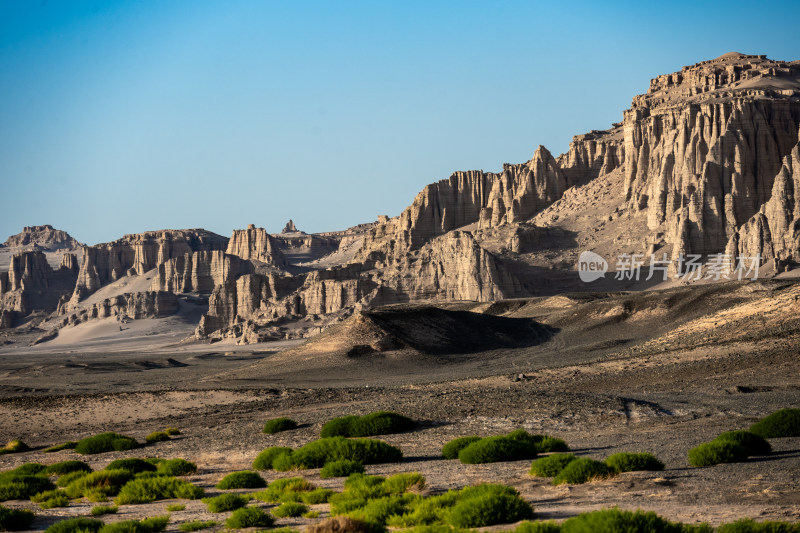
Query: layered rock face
[[31, 284], [255, 244], [42, 237], [151, 304], [137, 254], [703, 146], [199, 272]]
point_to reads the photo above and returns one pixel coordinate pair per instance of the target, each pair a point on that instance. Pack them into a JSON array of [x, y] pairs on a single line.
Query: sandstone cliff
[[199, 272], [151, 304], [42, 238], [255, 244], [32, 285]]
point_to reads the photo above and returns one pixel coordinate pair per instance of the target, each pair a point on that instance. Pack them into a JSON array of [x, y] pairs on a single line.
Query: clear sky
[[124, 116]]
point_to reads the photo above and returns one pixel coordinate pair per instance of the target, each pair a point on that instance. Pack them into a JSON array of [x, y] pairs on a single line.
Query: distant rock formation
[[151, 304], [42, 238], [290, 227], [255, 244], [31, 284], [199, 272]]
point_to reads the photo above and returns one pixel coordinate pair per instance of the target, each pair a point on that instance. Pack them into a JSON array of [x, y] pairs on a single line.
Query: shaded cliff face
[[32, 284], [199, 272]]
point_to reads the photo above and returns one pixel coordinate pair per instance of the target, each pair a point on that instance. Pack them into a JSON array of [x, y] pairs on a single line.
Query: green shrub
[[342, 468], [317, 453], [145, 490], [310, 514], [76, 525], [265, 459], [290, 510], [538, 527], [69, 445], [174, 507], [242, 480], [156, 436], [630, 462], [225, 502], [748, 525], [317, 496], [276, 425], [177, 467], [196, 525], [105, 482], [752, 443], [20, 487], [67, 467], [172, 431], [496, 449], [627, 521], [100, 510], [14, 446], [133, 465], [716, 452], [48, 495], [539, 443], [487, 505], [249, 517], [15, 519], [378, 423], [287, 489], [582, 470], [343, 524], [451, 449], [551, 465], [105, 442], [26, 469], [66, 479], [400, 483], [146, 525], [782, 423]]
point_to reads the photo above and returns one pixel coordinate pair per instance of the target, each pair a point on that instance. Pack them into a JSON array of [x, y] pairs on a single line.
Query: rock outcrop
[[255, 244], [31, 284], [199, 272], [151, 304], [42, 238], [290, 227]]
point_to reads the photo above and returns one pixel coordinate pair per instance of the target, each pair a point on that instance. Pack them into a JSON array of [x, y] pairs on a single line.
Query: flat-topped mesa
[[137, 254], [255, 244], [42, 237]]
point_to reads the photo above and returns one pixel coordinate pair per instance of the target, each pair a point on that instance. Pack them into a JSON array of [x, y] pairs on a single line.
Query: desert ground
[[655, 371]]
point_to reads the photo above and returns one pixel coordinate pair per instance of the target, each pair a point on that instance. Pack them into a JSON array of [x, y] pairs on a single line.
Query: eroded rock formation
[[31, 284], [151, 304], [43, 238], [255, 244]]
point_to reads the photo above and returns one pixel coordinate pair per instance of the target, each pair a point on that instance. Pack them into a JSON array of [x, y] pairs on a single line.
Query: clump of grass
[[76, 525], [516, 445], [752, 443], [249, 517], [172, 431], [105, 442], [132, 464], [69, 445], [487, 505], [225, 502], [617, 520], [782, 423], [276, 425], [317, 453], [196, 525], [14, 446], [100, 510], [451, 449], [26, 469], [377, 423], [66, 479], [538, 527], [311, 514], [174, 507], [286, 490], [342, 468], [630, 462], [716, 452], [748, 525], [21, 487], [582, 470], [145, 490], [67, 467], [245, 479], [51, 498], [98, 484], [176, 467], [146, 525], [15, 519], [156, 436], [266, 458], [290, 510], [342, 524], [551, 465], [316, 496]]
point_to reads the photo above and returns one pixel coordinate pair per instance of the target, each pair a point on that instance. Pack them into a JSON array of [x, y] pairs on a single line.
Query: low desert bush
[[249, 517], [15, 519], [551, 465], [176, 467], [342, 468], [156, 436], [76, 525], [14, 446], [317, 453], [630, 462], [133, 465], [310, 514], [20, 487], [172, 431], [174, 507], [67, 467], [496, 449], [51, 498], [628, 521], [752, 443], [487, 505], [451, 449], [267, 457], [69, 445], [196, 525], [26, 469], [145, 490], [276, 425], [748, 525], [716, 452], [66, 479], [316, 496], [342, 524], [242, 480], [290, 510], [581, 471], [100, 510], [782, 423], [378, 423], [146, 525], [540, 443], [291, 489], [105, 482], [225, 502], [538, 527], [105, 442]]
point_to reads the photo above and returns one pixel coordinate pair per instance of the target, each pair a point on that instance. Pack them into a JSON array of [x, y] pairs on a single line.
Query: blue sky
[[124, 116]]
